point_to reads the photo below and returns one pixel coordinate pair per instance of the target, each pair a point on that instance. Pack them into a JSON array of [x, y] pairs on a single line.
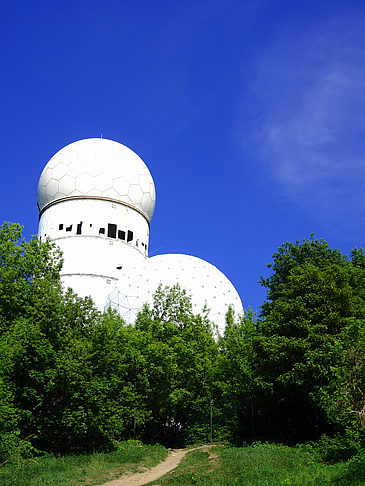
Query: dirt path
[[138, 479]]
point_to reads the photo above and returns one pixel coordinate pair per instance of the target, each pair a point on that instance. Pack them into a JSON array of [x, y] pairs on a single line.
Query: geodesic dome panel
[[97, 167]]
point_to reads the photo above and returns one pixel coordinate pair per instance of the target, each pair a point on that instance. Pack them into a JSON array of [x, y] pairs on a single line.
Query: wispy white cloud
[[311, 98]]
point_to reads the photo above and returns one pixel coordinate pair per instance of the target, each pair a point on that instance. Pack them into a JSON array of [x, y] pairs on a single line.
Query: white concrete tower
[[96, 198]]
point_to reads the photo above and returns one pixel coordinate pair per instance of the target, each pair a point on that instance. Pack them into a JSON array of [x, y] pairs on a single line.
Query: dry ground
[[144, 477]]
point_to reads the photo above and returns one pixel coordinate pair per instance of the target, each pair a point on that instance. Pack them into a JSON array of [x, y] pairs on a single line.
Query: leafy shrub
[[355, 466], [338, 448], [12, 447]]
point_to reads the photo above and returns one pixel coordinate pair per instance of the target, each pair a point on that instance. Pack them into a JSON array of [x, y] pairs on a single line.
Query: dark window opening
[[60, 226], [119, 267], [69, 228], [102, 231], [121, 235], [137, 243], [78, 230], [112, 230], [90, 225], [129, 236], [146, 247], [142, 243]]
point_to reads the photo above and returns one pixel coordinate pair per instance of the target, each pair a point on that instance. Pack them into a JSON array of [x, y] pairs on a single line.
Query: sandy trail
[[139, 479]]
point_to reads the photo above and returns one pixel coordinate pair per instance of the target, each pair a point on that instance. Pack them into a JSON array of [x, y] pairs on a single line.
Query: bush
[[338, 448], [355, 466]]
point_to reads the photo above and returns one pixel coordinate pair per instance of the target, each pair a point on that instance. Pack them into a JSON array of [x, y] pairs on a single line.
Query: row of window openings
[[112, 232]]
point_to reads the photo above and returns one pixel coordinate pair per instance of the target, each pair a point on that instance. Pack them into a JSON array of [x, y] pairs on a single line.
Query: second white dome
[[206, 285]]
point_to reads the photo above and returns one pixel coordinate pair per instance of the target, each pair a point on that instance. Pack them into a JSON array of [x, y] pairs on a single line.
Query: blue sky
[[249, 114]]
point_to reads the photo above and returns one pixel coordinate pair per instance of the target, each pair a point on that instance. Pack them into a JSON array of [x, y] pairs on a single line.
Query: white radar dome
[[207, 286], [98, 168]]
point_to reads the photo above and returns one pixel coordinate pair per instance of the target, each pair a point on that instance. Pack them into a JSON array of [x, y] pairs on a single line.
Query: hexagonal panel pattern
[[98, 167], [135, 194], [66, 184], [212, 291], [85, 182]]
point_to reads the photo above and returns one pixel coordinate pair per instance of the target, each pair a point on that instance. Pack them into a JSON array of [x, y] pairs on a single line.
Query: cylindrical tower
[[96, 198]]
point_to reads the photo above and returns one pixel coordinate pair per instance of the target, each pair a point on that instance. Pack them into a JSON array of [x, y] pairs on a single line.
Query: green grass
[[257, 465], [262, 465], [90, 469]]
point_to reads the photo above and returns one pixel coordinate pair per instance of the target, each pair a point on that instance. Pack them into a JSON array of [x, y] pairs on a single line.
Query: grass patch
[[257, 465], [87, 469], [262, 465]]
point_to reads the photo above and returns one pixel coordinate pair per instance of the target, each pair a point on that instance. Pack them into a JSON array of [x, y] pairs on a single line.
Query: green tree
[[180, 353], [313, 296], [70, 379], [102, 386], [234, 377], [28, 272]]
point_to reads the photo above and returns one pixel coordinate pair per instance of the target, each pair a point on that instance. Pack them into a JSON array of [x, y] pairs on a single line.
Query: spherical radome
[[207, 286], [98, 167]]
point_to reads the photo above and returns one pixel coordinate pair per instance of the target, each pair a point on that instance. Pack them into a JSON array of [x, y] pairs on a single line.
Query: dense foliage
[[73, 379], [309, 349]]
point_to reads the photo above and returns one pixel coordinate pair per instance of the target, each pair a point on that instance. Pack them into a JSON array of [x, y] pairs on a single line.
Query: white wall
[[91, 258]]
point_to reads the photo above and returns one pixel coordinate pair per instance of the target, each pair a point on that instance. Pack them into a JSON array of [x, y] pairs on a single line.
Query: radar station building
[[96, 199]]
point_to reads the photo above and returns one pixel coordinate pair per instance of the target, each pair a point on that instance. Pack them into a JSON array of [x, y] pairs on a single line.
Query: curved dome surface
[[98, 167], [204, 282]]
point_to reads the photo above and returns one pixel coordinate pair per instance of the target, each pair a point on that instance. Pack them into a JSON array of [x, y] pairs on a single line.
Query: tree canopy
[[73, 379], [311, 325]]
